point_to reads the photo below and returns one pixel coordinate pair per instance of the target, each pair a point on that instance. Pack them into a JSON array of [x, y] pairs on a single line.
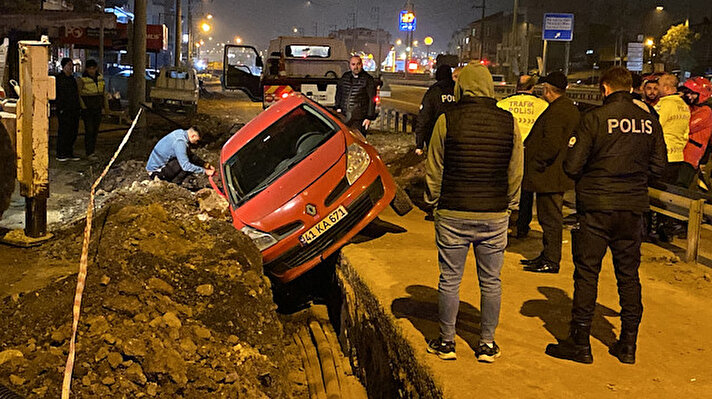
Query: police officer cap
[[556, 79]]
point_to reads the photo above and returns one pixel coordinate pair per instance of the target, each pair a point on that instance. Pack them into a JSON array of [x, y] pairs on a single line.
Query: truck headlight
[[357, 160], [261, 239]]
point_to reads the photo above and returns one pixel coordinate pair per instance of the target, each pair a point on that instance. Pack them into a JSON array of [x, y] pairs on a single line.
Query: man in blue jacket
[[171, 159]]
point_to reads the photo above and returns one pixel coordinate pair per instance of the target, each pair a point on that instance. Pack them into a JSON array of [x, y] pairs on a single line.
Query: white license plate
[[323, 225]]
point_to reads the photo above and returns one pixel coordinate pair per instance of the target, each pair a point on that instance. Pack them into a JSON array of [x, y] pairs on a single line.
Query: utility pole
[[514, 60], [482, 30], [138, 94], [377, 11], [101, 36], [191, 44], [178, 35]]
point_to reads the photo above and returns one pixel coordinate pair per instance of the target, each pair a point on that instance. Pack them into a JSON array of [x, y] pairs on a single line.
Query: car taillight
[[377, 100]]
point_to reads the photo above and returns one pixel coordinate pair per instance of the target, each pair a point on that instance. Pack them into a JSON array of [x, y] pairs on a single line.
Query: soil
[[176, 303]]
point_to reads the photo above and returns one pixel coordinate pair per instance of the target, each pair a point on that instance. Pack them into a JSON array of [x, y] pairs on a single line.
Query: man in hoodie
[[473, 177], [434, 103], [545, 149], [67, 111]]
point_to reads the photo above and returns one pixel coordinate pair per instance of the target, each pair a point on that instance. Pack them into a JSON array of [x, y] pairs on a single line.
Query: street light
[[238, 39], [399, 42], [649, 42], [205, 27], [428, 41], [209, 16], [659, 8]]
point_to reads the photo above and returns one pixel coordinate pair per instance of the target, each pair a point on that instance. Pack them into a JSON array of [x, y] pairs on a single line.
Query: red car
[[301, 184]]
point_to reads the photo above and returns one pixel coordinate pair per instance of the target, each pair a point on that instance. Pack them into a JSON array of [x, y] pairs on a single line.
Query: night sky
[[256, 22]]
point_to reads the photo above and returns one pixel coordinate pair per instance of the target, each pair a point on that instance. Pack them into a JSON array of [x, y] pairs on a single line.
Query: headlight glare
[[261, 239]]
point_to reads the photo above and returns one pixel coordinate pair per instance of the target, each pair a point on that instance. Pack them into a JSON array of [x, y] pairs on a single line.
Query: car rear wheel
[[401, 203]]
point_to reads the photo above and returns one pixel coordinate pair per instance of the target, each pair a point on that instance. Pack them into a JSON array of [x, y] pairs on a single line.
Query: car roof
[[261, 122]]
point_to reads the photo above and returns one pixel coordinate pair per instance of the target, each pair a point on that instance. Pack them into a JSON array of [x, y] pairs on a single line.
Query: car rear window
[[178, 74], [302, 51], [276, 150]]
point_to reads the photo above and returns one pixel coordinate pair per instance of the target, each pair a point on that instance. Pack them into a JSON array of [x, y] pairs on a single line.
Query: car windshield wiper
[[271, 178]]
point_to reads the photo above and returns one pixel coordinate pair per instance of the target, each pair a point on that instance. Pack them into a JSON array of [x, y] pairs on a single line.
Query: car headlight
[[357, 161], [261, 239]]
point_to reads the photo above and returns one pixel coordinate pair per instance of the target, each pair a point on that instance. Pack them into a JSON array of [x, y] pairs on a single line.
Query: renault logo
[[311, 210]]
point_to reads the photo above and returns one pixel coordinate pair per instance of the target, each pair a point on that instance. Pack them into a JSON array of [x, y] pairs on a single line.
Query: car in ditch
[[301, 184]]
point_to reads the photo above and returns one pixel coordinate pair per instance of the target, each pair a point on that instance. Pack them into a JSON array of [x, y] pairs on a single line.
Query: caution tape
[[83, 263]]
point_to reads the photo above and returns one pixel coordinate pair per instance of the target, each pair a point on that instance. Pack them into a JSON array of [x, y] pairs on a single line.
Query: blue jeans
[[489, 239]]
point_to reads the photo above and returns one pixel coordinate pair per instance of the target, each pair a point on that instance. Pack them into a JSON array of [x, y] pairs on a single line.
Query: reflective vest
[[675, 120], [525, 108], [91, 87]]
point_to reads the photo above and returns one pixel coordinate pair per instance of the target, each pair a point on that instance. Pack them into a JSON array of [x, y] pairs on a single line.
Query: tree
[[675, 45]]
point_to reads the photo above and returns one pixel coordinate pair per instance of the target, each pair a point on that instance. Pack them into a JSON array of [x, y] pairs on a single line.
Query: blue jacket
[[173, 145]]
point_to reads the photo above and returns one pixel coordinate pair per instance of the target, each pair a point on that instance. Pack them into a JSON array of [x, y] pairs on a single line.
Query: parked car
[[119, 83], [301, 184], [176, 89]]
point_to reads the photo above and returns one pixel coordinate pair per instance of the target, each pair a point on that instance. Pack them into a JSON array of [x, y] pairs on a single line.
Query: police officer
[[526, 108], [93, 102], [611, 155], [434, 103]]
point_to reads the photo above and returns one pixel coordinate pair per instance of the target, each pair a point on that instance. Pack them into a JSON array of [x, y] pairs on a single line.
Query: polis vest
[[525, 108], [478, 148]]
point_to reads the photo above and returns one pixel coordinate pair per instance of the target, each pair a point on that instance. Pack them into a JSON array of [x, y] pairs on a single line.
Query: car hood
[[291, 184]]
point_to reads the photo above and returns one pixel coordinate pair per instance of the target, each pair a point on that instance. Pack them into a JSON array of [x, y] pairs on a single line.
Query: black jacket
[[613, 152], [67, 96], [478, 150], [435, 102], [545, 148], [355, 96]]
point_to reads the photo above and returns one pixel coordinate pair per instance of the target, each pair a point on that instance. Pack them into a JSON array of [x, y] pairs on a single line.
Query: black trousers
[[622, 232], [172, 172], [550, 213], [67, 132], [526, 206], [92, 121]]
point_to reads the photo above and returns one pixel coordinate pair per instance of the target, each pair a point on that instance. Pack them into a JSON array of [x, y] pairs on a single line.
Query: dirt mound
[[176, 305]]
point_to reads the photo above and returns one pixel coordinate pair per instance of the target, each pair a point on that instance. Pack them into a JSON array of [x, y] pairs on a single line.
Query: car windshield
[[302, 51], [276, 150]]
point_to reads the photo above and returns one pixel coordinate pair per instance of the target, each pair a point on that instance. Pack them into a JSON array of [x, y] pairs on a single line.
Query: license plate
[[323, 225]]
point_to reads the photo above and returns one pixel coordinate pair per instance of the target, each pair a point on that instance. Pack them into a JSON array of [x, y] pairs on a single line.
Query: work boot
[[624, 348], [576, 347]]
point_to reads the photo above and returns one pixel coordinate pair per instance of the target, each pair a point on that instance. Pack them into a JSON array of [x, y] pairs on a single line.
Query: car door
[[242, 69]]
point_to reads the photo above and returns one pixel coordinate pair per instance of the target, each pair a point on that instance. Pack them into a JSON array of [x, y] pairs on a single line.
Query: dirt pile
[[176, 305]]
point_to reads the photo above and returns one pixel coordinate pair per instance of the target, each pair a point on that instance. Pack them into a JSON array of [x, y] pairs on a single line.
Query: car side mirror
[[259, 62]]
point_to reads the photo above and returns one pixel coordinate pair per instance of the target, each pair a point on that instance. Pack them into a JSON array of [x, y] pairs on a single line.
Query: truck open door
[[242, 70]]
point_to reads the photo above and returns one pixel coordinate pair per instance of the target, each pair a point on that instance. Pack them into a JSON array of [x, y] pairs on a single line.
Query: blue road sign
[[558, 27], [406, 21]]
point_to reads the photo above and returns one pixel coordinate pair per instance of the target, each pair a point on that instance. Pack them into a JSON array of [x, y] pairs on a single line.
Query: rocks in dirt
[[105, 280], [201, 332], [17, 380], [707, 277], [172, 320], [156, 284], [61, 334], [135, 374], [9, 354], [127, 305], [205, 289], [114, 359], [169, 362], [212, 203]]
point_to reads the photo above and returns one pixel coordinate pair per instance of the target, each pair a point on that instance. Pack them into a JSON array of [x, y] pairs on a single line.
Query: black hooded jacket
[[435, 101], [612, 154]]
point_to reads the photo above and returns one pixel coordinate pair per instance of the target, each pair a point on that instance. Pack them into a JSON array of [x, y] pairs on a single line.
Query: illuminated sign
[[406, 22]]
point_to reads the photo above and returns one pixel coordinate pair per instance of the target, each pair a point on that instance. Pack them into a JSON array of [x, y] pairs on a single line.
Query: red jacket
[[700, 132]]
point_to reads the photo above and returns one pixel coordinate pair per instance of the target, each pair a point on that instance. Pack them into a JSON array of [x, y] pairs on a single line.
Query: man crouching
[[171, 159], [473, 175]]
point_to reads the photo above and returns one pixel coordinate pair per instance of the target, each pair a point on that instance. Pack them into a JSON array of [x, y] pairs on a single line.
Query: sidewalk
[[674, 345]]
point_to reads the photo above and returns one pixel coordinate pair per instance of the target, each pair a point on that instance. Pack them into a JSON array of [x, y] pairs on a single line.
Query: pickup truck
[[176, 89], [310, 65]]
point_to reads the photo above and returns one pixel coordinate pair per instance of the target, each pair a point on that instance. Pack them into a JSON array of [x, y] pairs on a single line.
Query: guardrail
[[687, 206]]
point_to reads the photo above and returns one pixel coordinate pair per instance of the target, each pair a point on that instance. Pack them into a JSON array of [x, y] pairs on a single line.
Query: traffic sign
[[558, 27], [635, 57], [406, 22]]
